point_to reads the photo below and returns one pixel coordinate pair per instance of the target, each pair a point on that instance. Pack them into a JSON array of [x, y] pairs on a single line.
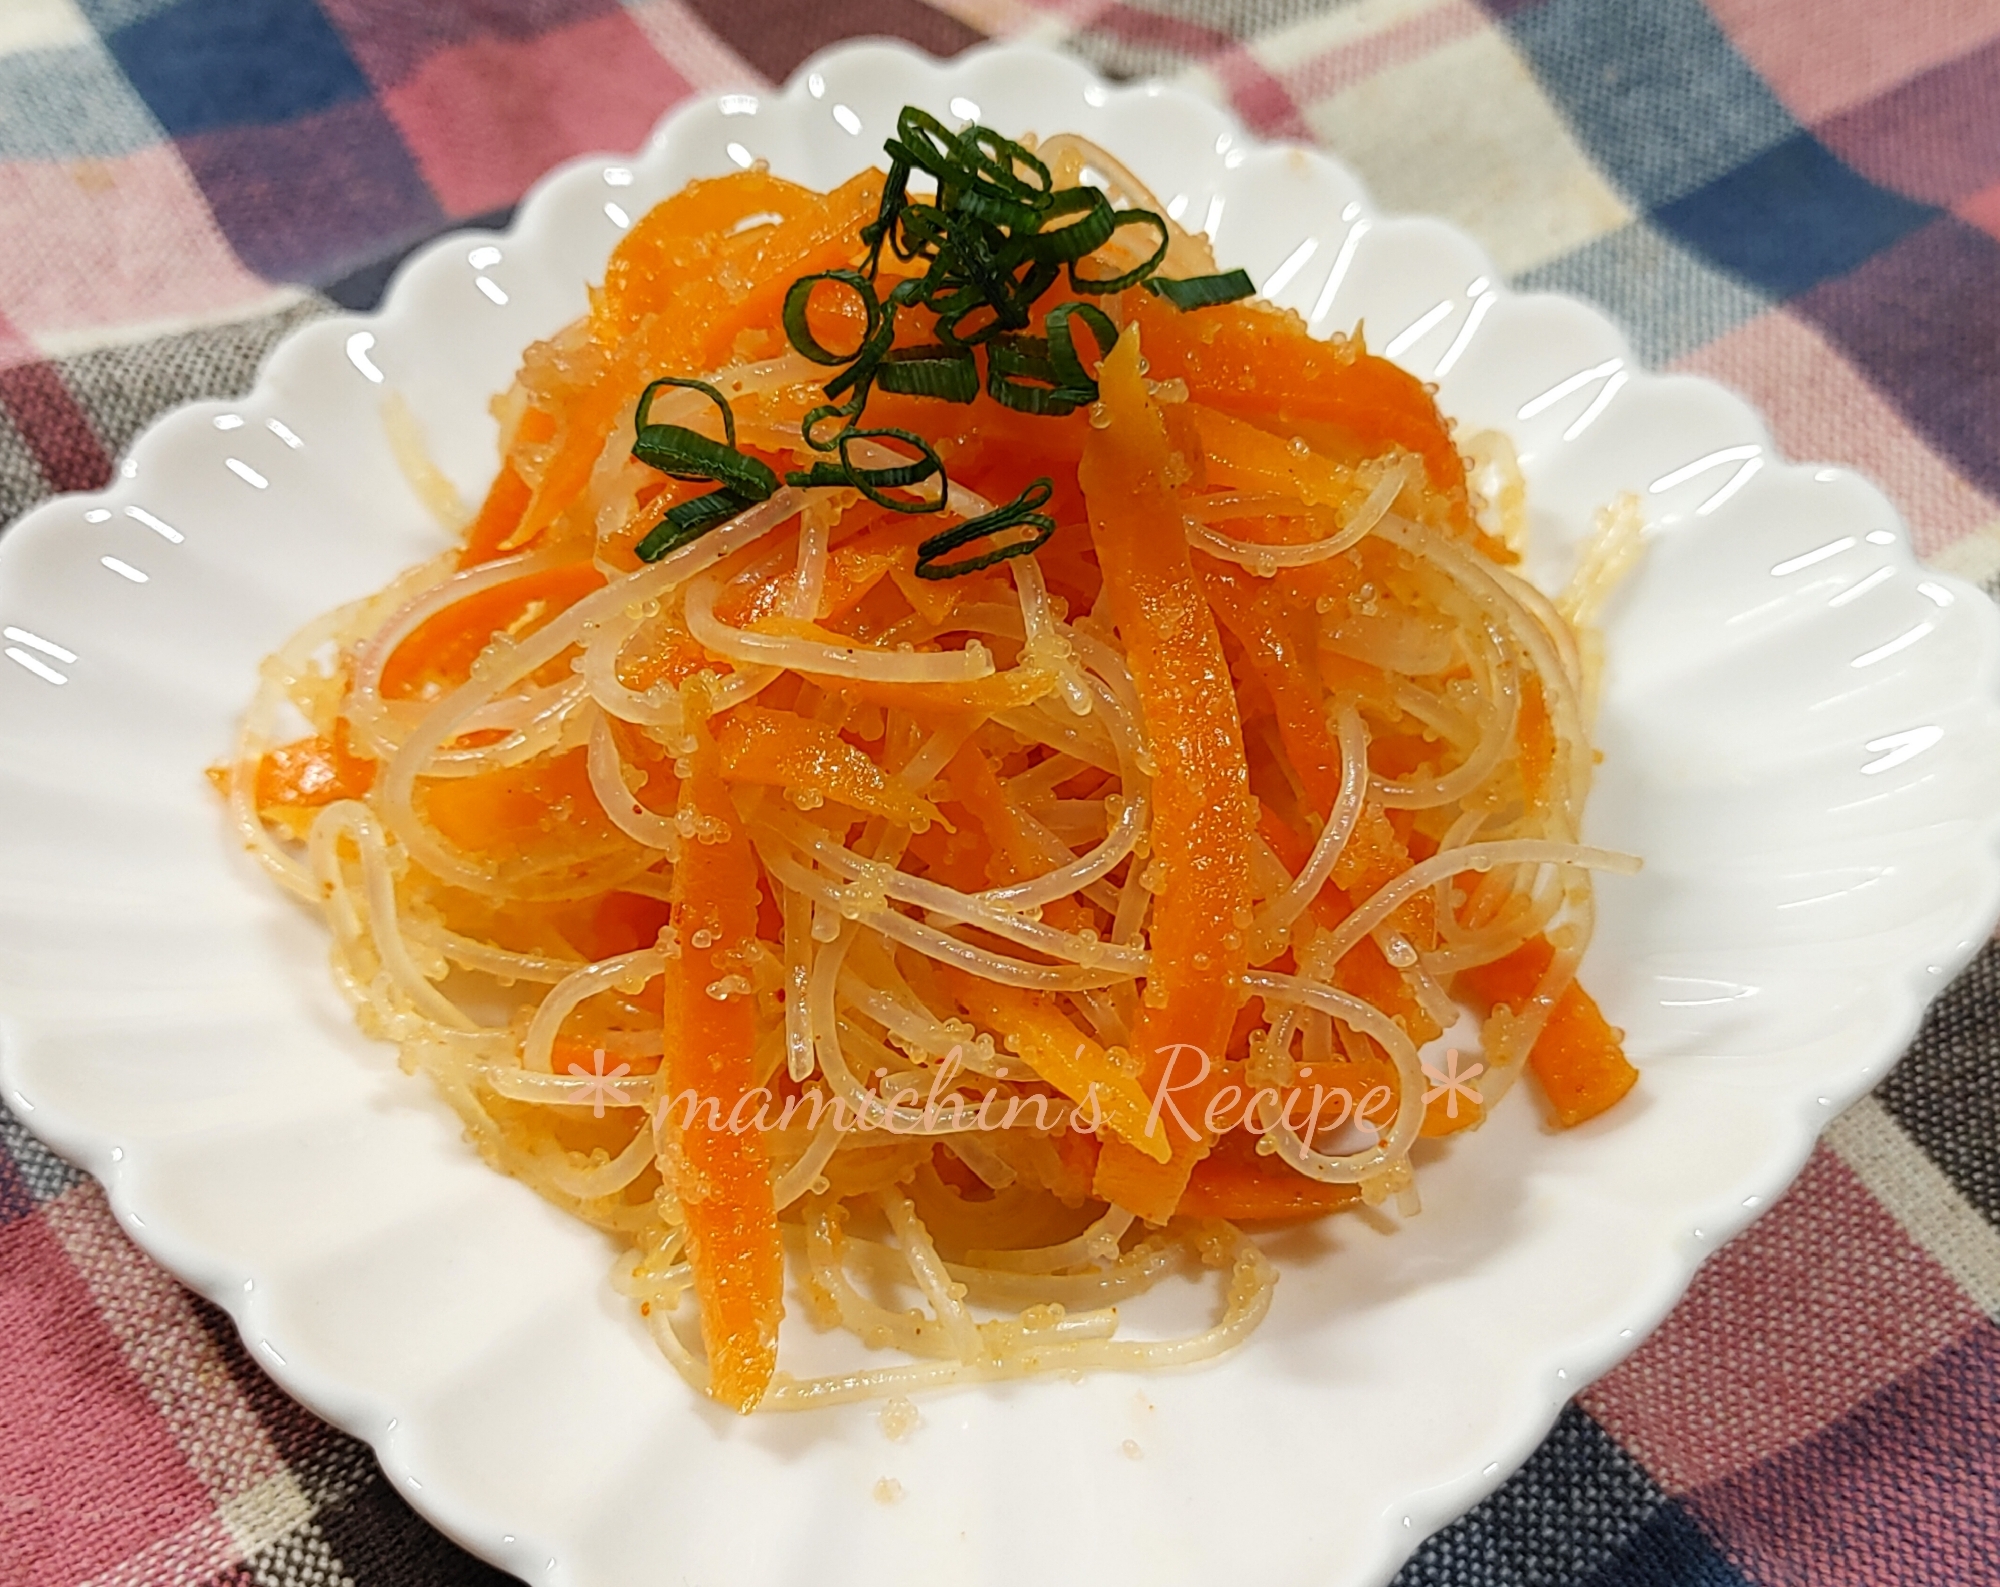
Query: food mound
[[960, 752]]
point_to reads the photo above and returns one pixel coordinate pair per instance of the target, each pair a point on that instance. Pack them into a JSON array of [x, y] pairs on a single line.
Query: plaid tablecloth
[[1799, 197]]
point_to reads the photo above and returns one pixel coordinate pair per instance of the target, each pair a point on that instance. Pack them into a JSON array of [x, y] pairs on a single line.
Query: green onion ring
[[874, 482], [799, 295], [1069, 370], [642, 414], [688, 454], [949, 374], [689, 521], [1098, 285], [1010, 360], [1201, 292], [1018, 513]]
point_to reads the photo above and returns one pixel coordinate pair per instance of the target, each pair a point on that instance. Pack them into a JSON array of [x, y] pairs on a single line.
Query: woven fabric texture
[[1800, 198]]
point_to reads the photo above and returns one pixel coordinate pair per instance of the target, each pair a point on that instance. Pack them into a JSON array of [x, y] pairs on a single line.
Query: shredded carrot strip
[[664, 651], [625, 923], [1257, 362], [1536, 736], [1364, 972], [1053, 1046], [721, 1174], [857, 565], [974, 784], [1374, 857], [1579, 1058], [1003, 691], [499, 516], [1201, 794], [1239, 454], [518, 807], [781, 750], [582, 1052], [308, 773], [1451, 1111], [970, 777], [440, 652], [821, 236], [1234, 1182], [679, 238], [1278, 632]]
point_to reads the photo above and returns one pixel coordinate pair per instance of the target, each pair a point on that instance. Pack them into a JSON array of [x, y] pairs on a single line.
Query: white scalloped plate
[[1800, 734]]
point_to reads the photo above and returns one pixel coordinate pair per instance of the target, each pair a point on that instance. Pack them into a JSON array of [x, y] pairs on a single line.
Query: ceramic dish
[[1800, 735]]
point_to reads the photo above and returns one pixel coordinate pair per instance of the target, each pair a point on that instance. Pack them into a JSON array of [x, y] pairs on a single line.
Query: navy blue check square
[[1790, 218], [205, 65]]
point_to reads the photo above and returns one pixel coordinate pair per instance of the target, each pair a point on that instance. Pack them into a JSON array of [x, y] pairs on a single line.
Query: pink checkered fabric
[[1798, 197]]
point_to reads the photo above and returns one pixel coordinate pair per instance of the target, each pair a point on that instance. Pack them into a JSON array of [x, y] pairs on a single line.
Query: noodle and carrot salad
[[960, 751]]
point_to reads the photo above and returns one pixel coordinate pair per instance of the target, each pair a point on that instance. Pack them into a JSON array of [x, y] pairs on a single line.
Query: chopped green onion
[[1139, 272], [995, 158], [1013, 360], [855, 376], [996, 239], [981, 266], [800, 295], [689, 521], [962, 306], [642, 414], [850, 411], [1066, 244], [685, 454], [1200, 292], [1020, 513], [875, 482], [1015, 216], [925, 142], [976, 159], [1069, 370], [944, 372], [924, 229], [819, 476], [895, 199]]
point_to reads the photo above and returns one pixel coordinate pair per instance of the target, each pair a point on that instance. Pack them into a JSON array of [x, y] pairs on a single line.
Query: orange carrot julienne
[[770, 259], [974, 784], [782, 750], [972, 781], [663, 652], [1234, 1182], [680, 237], [440, 651], [1278, 638], [516, 807], [1537, 737], [499, 516], [1201, 793], [1071, 1061], [1241, 455], [1579, 1058], [1374, 857], [721, 1176], [1255, 361], [933, 702], [310, 772], [857, 565]]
